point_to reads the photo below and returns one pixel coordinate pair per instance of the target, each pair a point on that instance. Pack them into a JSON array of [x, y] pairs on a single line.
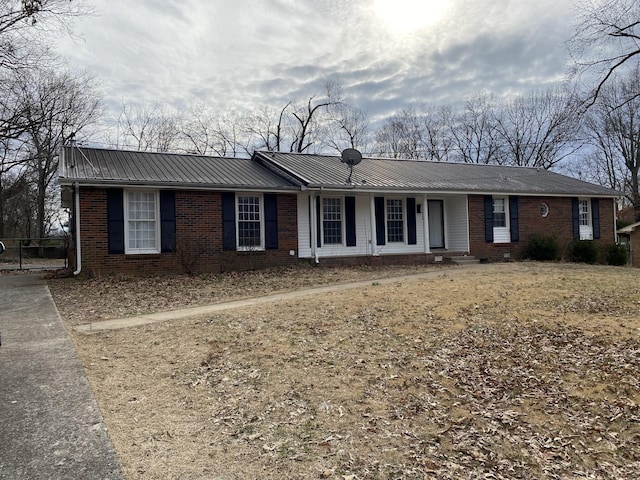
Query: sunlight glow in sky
[[403, 17]]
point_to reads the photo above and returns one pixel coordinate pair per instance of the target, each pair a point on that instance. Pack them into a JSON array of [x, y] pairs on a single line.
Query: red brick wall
[[198, 238], [199, 235], [558, 224]]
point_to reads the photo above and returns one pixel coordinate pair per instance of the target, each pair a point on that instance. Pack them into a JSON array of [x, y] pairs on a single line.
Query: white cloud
[[246, 52]]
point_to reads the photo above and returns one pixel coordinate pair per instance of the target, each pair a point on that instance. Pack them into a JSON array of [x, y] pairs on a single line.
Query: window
[[141, 220], [249, 216], [499, 212], [395, 220], [544, 209], [331, 221], [584, 213]]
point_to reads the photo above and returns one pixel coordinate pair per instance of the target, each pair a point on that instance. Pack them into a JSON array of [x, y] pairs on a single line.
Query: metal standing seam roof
[[97, 166], [328, 172], [291, 171]]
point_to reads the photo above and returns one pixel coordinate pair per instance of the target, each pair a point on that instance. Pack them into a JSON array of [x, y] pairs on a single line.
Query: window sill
[[138, 256]]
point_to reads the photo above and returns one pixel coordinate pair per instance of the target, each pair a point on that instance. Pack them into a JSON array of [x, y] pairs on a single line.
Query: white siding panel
[[363, 227], [304, 244], [456, 223], [419, 247], [586, 232], [364, 234], [501, 235]]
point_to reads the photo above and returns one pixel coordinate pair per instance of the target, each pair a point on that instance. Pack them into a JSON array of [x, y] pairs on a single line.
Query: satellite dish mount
[[351, 157]]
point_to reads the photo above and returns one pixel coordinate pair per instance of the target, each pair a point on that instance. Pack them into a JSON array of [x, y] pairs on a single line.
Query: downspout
[[78, 247]]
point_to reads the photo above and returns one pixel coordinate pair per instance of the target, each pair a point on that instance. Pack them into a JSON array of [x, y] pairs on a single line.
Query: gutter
[[78, 244]]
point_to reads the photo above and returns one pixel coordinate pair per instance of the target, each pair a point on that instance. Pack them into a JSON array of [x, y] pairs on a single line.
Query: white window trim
[[141, 251], [404, 221], [342, 222], [588, 203], [252, 248], [503, 234], [586, 231]]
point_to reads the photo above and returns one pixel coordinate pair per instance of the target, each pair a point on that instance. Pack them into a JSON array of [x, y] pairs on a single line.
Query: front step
[[462, 259]]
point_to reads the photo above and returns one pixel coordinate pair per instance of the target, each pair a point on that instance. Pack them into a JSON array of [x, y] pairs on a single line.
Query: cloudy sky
[[386, 54]]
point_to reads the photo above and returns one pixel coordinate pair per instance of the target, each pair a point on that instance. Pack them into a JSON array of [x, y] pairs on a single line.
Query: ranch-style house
[[155, 213]]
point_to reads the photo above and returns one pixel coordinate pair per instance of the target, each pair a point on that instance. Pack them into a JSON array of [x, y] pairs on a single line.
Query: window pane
[[249, 231], [584, 213], [499, 213], [395, 221], [332, 221], [141, 209]]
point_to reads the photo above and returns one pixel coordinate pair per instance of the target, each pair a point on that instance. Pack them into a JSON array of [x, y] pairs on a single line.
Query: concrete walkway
[[137, 321], [50, 425]]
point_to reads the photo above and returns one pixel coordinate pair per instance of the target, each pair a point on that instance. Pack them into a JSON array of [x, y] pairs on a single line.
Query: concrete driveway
[[50, 425]]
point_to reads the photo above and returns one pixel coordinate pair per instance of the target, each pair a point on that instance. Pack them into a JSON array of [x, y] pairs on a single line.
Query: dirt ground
[[519, 370]]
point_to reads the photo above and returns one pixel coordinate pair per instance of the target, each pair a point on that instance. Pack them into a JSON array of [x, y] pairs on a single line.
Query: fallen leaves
[[497, 379]]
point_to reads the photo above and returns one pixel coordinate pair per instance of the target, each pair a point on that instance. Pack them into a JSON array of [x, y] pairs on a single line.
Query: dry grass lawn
[[511, 371]]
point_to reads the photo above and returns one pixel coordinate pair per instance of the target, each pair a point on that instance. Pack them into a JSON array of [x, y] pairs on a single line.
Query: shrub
[[616, 254], [583, 251], [541, 248]]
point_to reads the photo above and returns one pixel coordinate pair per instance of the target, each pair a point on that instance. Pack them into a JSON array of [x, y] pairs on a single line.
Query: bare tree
[[539, 129], [474, 131], [265, 128], [613, 126], [401, 136], [607, 38], [206, 133], [13, 182], [349, 127], [148, 128], [305, 126], [437, 141], [26, 23], [57, 107]]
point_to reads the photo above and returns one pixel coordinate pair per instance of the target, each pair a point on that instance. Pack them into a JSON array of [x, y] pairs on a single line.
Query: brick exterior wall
[[558, 224], [198, 238]]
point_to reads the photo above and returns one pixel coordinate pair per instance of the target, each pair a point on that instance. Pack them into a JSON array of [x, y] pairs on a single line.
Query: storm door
[[436, 223]]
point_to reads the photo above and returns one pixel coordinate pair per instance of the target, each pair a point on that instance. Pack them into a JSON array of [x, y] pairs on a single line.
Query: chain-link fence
[[34, 253]]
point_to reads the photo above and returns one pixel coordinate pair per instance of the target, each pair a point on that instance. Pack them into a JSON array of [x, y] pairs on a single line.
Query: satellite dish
[[351, 156]]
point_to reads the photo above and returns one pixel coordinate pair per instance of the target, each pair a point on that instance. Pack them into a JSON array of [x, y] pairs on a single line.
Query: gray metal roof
[[411, 175], [119, 167], [291, 171]]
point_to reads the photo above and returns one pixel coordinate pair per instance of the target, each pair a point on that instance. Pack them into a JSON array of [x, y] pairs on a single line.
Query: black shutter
[[513, 219], [271, 221], [167, 221], [575, 217], [488, 218], [378, 203], [595, 217], [318, 222], [350, 220], [411, 221], [228, 221], [115, 220]]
